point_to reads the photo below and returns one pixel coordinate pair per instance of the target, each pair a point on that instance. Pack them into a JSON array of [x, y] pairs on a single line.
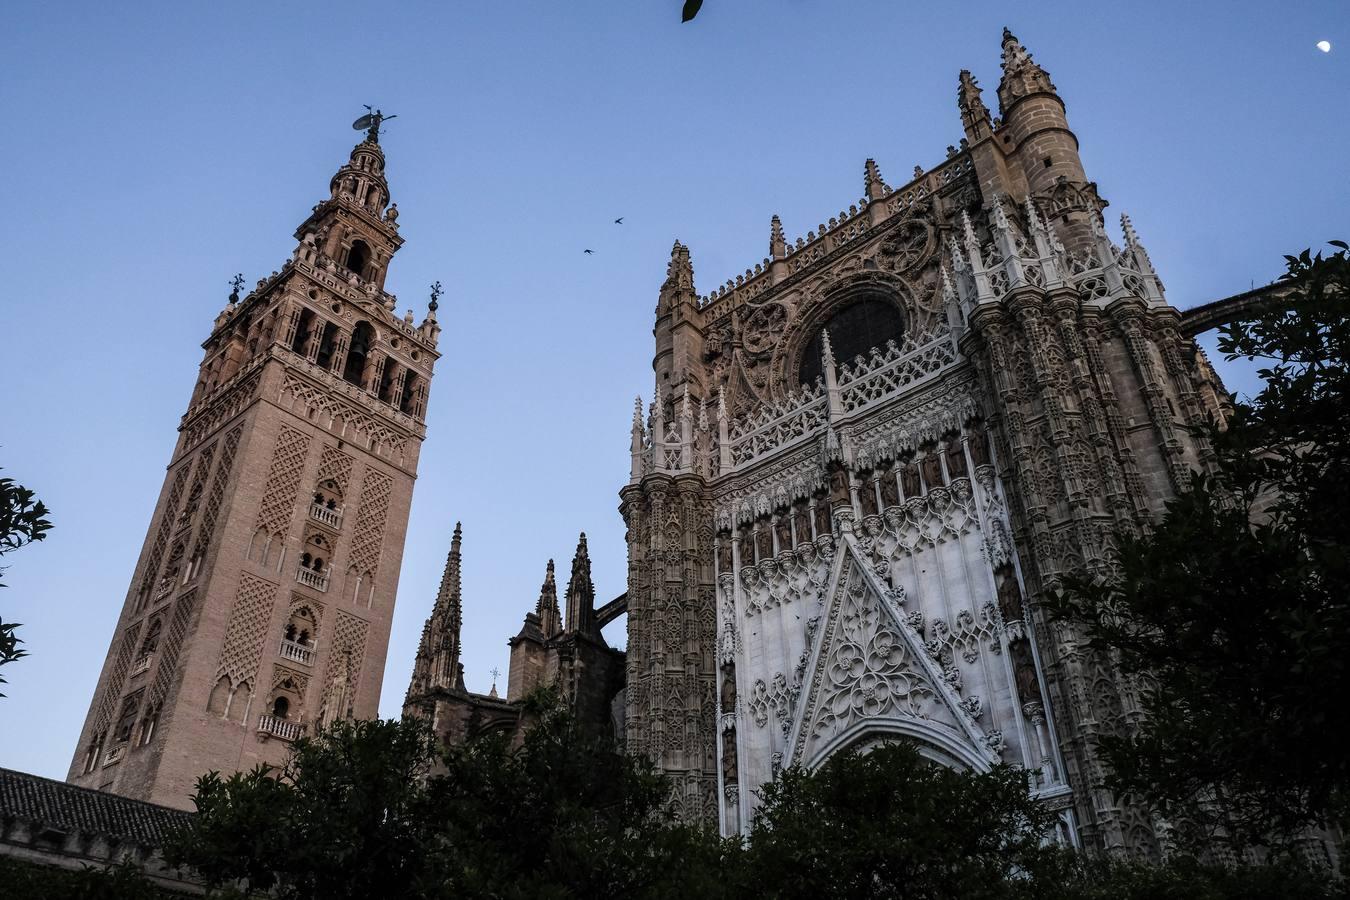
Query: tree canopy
[[1233, 612], [23, 519]]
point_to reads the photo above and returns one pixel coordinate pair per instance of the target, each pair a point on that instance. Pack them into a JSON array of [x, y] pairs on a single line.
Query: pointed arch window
[[358, 258]]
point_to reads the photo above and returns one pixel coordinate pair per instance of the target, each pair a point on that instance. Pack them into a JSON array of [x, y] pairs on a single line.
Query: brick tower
[[261, 602], [870, 457]]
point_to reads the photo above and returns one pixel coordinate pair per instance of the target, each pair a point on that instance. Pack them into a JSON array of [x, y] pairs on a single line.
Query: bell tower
[[261, 603]]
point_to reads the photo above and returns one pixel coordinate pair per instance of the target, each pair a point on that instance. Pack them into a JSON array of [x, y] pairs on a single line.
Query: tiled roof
[[70, 808]]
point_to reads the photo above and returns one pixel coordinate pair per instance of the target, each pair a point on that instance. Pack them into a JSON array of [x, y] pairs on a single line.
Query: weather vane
[[495, 672], [370, 123], [236, 282], [435, 296]]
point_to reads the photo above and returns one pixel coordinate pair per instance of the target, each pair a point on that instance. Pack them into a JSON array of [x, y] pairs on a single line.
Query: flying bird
[[587, 251], [619, 220]]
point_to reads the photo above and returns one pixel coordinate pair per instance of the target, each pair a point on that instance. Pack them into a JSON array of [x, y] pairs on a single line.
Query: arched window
[[327, 337], [304, 330], [355, 369], [317, 552], [281, 707], [358, 257], [387, 381], [328, 494], [303, 626], [869, 321], [405, 403]]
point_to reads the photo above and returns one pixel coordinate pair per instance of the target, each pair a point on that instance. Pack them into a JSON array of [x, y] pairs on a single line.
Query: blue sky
[[156, 149]]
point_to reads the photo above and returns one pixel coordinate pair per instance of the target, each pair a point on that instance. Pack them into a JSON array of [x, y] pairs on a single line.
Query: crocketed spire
[[550, 618], [437, 664], [581, 592]]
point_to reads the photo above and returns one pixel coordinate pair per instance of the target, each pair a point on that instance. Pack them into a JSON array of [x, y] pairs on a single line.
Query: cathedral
[[864, 462]]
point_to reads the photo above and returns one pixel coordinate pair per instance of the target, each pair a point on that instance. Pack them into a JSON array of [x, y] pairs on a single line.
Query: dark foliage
[[1234, 612], [23, 519], [35, 882]]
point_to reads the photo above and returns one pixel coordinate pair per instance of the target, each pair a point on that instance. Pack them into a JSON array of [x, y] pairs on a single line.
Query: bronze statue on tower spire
[[371, 123]]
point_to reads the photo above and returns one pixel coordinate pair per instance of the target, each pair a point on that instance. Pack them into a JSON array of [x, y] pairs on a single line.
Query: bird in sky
[[619, 220], [587, 251]]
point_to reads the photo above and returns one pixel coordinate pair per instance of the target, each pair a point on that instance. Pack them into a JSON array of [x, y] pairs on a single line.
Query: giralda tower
[[261, 603]]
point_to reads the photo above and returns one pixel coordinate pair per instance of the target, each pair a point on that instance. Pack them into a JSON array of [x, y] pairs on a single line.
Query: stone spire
[[437, 664], [974, 114], [581, 592], [873, 185], [550, 619], [1022, 77], [777, 243]]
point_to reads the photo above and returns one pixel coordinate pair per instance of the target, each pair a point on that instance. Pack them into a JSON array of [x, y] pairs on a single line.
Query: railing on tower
[[301, 653], [330, 517], [280, 728], [310, 578]]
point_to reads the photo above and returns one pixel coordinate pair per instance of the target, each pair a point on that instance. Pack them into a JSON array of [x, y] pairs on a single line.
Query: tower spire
[[777, 243], [1022, 77], [550, 619], [581, 592], [440, 637], [974, 114], [873, 185]]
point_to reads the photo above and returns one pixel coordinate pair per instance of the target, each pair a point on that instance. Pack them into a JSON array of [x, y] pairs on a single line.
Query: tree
[[23, 519], [889, 823], [346, 817], [565, 814], [1233, 613], [373, 809]]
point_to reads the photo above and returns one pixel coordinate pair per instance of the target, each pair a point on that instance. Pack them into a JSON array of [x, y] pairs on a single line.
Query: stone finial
[[680, 271], [777, 243], [974, 114], [1131, 238], [948, 291], [873, 185], [1034, 221], [826, 351], [637, 414], [968, 233], [702, 414]]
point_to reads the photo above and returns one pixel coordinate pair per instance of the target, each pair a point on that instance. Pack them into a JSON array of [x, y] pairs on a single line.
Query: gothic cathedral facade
[[262, 600], [869, 458]]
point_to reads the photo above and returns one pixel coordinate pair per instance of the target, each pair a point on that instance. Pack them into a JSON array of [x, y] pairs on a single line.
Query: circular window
[[337, 307], [394, 342], [313, 294], [416, 354], [869, 321]]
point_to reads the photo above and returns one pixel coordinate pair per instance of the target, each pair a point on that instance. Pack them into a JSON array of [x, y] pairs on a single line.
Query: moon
[[1324, 46]]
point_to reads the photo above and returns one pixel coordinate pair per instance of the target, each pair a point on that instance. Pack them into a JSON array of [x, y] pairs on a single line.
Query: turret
[[1035, 137], [679, 327]]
